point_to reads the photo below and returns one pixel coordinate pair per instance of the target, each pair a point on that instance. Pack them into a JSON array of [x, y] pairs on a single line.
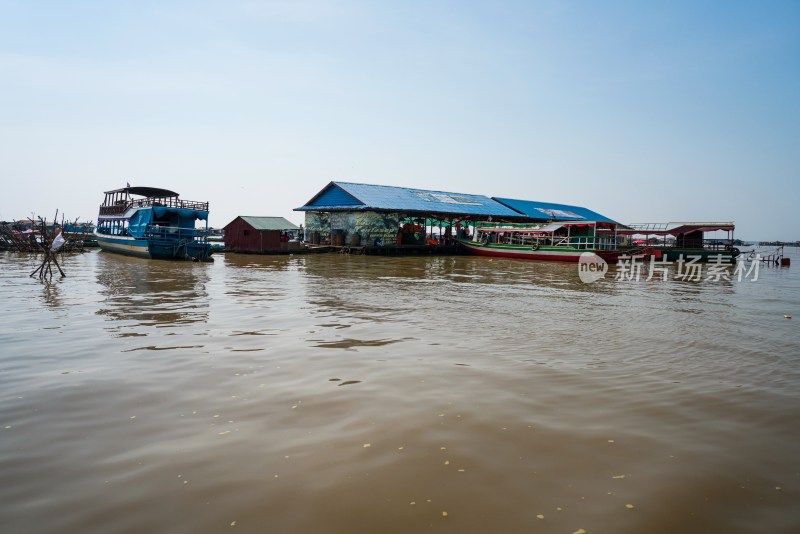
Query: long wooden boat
[[560, 241], [154, 223], [675, 240]]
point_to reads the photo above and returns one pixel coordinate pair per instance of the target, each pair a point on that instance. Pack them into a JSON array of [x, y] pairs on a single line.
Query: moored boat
[[557, 241], [675, 240], [154, 223]]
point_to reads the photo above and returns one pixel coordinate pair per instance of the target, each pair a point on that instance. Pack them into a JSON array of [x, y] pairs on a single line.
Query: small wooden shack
[[259, 235]]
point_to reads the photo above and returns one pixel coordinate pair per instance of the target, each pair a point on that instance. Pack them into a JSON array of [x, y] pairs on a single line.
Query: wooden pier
[[775, 257]]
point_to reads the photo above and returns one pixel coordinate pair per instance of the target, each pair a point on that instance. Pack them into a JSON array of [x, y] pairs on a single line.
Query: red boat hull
[[610, 256]]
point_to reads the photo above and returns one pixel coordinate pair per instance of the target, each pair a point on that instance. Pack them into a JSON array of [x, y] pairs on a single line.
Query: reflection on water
[[343, 394], [140, 292], [50, 292], [350, 343]]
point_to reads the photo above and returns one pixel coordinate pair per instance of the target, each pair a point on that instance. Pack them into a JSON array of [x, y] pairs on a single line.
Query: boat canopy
[[137, 226], [676, 228], [550, 228], [149, 192]]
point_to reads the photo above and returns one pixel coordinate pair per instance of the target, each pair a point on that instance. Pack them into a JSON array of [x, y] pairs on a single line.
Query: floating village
[[356, 218]]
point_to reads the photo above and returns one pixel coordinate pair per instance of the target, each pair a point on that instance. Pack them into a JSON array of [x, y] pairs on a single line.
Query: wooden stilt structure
[[51, 249]]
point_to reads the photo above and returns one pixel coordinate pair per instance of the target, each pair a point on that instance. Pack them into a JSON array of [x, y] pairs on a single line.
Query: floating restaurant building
[[260, 235], [378, 216]]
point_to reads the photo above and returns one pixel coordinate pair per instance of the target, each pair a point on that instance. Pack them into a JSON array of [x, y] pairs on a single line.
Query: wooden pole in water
[[50, 251], [59, 266]]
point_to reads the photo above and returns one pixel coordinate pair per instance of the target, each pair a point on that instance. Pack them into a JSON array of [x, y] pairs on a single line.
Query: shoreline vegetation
[[779, 243]]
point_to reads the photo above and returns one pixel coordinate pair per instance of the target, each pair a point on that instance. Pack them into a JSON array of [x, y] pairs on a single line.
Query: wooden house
[[260, 235]]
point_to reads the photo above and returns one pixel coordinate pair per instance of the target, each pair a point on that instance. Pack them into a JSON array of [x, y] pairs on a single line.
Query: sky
[[643, 111]]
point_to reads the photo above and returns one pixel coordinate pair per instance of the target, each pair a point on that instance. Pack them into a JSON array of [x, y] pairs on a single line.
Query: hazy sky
[[643, 111]]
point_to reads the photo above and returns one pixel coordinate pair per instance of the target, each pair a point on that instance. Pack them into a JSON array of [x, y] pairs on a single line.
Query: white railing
[[526, 239]]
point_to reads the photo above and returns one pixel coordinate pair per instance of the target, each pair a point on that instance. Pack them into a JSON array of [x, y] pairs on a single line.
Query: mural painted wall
[[318, 222], [361, 227]]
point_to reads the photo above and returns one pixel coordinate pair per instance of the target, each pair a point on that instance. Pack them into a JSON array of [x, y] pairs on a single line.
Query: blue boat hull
[[154, 249]]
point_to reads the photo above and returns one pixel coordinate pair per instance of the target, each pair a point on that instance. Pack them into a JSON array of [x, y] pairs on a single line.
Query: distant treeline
[[779, 243]]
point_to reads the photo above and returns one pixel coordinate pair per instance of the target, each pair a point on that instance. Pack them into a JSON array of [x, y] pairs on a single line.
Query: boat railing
[[117, 209], [589, 242], [528, 239], [121, 206], [707, 244], [717, 244], [164, 233], [176, 233], [510, 226], [110, 230]]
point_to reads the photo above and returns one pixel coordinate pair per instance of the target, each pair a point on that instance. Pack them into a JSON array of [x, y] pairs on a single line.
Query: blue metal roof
[[349, 196], [552, 212]]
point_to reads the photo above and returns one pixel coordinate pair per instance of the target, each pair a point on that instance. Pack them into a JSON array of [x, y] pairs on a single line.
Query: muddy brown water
[[349, 394]]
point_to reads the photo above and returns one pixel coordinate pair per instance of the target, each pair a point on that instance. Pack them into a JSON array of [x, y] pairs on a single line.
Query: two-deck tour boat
[[150, 222], [556, 241]]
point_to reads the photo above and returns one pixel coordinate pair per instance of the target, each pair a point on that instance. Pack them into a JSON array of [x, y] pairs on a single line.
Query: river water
[[350, 394]]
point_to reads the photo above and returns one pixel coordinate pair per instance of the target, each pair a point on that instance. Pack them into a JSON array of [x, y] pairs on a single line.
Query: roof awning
[[550, 228], [149, 192], [675, 229]]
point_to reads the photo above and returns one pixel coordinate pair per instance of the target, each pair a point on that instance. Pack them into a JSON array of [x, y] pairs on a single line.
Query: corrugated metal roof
[[676, 228], [350, 196], [552, 212], [269, 223], [334, 195]]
